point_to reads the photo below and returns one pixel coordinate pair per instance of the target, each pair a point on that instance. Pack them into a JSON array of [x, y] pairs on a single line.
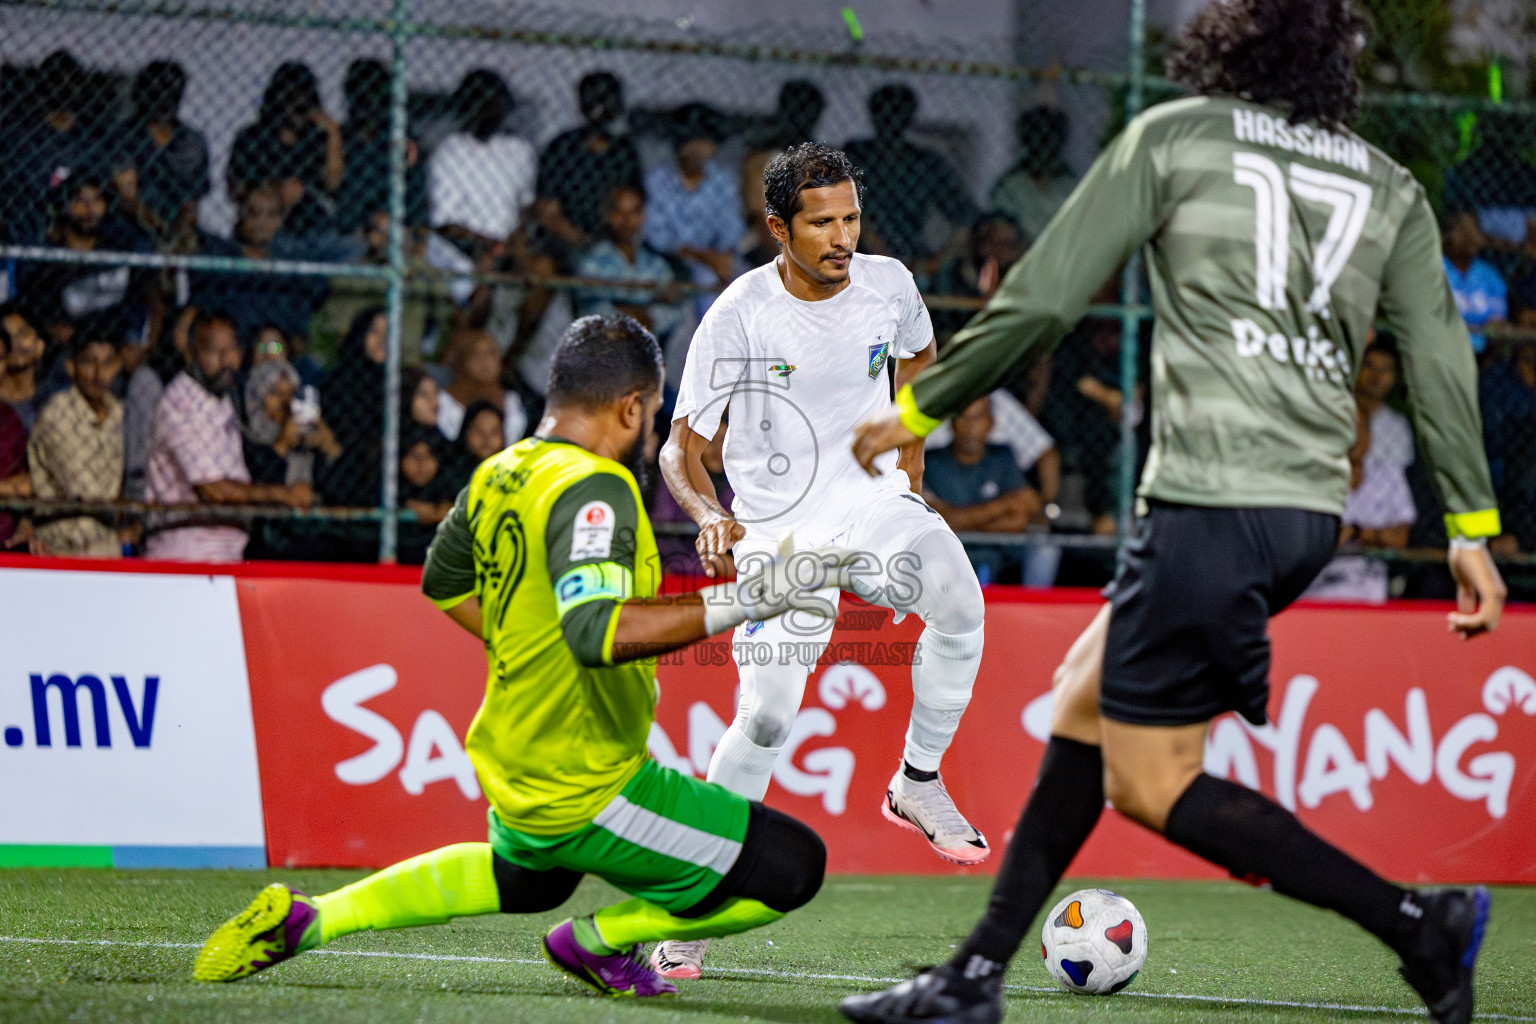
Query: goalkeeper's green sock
[[455, 881], [622, 925]]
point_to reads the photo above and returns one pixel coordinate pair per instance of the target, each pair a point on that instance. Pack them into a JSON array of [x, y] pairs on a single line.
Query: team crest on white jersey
[[878, 353]]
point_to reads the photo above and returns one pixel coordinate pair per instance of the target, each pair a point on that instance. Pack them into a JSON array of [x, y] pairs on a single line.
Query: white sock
[[742, 766], [942, 678]]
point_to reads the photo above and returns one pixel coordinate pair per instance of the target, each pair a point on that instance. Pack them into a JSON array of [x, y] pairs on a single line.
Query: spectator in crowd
[[580, 168], [793, 121], [977, 487], [693, 207], [15, 482], [623, 255], [64, 293], [1477, 286], [1507, 394], [255, 300], [196, 455], [1034, 189], [1379, 512], [286, 443], [994, 245], [418, 396], [21, 378], [364, 190], [483, 435], [141, 388], [481, 180], [286, 440], [45, 154], [295, 148], [76, 448], [904, 182], [474, 366], [1391, 434], [1497, 180], [353, 395], [159, 165], [1082, 410], [425, 490]]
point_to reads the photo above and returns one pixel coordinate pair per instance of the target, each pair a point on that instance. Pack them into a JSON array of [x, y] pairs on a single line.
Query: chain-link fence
[[368, 223]]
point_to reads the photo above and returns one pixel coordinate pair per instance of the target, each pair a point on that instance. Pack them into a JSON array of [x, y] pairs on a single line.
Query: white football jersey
[[793, 379]]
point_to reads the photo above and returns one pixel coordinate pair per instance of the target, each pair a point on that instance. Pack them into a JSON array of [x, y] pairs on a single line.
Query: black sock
[[1065, 805], [915, 774], [1259, 841]]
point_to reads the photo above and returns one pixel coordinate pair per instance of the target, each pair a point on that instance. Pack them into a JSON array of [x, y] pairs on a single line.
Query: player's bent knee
[[523, 891], [783, 862], [950, 599], [768, 726]]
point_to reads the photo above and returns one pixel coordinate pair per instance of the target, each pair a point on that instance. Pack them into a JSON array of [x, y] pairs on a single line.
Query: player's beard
[[633, 460]]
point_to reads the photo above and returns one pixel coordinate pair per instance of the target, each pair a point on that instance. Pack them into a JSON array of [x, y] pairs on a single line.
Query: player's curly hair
[[1298, 55], [808, 165]]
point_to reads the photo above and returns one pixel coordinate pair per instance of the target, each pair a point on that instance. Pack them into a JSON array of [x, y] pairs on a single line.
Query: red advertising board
[[1412, 750]]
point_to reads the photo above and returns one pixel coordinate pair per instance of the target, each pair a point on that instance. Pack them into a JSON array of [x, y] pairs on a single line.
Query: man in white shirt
[[794, 354], [481, 182]]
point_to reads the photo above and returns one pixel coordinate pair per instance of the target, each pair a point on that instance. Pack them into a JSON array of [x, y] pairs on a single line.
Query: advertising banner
[[126, 719], [1414, 751]]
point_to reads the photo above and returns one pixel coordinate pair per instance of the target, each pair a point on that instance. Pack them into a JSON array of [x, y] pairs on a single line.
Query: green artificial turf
[[1218, 952]]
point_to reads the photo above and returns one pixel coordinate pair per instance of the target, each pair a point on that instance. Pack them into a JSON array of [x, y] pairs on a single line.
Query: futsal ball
[[1094, 942]]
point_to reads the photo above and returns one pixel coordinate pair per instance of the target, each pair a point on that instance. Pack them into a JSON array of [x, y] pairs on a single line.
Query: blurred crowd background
[[275, 278]]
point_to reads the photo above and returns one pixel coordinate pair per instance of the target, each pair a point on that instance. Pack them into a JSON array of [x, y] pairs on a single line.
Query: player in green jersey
[[1275, 237], [548, 557]]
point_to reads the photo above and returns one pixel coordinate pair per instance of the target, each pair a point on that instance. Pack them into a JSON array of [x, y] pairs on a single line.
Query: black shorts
[[1190, 609]]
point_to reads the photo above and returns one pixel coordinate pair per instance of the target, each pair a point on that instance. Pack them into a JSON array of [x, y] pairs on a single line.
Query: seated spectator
[[354, 392], [295, 149], [364, 190], [76, 449], [1391, 434], [425, 491], [1015, 427], [792, 122], [1507, 394], [1034, 189], [977, 487], [1498, 178], [474, 367], [286, 442], [159, 165], [141, 388], [22, 388], [15, 482], [1082, 411], [255, 300], [418, 396], [63, 293], [994, 245], [1479, 289], [196, 455], [905, 183], [429, 301], [580, 168], [693, 210], [1379, 512], [481, 180], [623, 256], [43, 154]]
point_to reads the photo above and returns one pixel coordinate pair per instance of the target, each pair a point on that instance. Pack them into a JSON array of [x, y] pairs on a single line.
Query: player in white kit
[[792, 356]]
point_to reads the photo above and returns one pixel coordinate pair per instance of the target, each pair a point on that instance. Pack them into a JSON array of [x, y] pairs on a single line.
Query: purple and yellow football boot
[[272, 929]]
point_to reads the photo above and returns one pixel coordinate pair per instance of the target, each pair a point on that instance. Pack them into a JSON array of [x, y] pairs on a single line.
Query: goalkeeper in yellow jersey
[[548, 556]]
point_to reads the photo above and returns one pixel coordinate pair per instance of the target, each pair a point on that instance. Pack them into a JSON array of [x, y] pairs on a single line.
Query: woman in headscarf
[[482, 435], [295, 147], [286, 442], [426, 489]]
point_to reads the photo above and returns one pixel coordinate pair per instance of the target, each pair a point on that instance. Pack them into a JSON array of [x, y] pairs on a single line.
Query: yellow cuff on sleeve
[[613, 626], [913, 418], [445, 603], [1482, 523]]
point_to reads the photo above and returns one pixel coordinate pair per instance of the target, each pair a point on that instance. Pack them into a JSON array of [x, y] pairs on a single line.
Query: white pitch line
[[765, 973]]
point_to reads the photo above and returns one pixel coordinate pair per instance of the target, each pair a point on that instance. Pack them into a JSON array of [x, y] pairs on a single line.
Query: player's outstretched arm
[[682, 468], [1116, 208], [1441, 374]]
